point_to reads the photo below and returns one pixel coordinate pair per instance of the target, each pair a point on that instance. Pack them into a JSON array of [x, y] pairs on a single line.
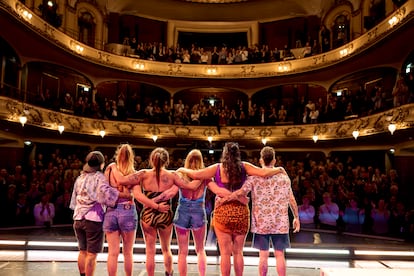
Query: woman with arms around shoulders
[[231, 219], [121, 221]]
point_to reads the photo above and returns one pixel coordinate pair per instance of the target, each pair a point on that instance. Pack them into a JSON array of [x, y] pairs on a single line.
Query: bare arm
[[167, 194], [184, 184], [139, 196], [221, 192], [294, 207], [205, 173], [263, 172], [131, 179]]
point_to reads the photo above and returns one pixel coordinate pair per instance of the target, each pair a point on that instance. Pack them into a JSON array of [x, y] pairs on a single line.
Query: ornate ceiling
[[220, 10]]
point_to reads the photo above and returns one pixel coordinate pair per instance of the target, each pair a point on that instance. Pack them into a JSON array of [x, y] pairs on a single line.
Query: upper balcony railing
[[54, 35]]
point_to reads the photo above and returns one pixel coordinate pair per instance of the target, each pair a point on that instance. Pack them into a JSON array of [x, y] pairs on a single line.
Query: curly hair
[[232, 164]]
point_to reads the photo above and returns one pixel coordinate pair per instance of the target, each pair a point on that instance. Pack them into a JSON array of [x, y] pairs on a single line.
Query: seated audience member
[[328, 213], [306, 213]]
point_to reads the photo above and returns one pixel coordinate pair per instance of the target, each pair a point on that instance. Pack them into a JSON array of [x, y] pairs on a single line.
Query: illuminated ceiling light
[[61, 128], [315, 138], [264, 141], [50, 3], [392, 127], [355, 133], [23, 119], [154, 138], [392, 150], [27, 142], [209, 139], [102, 133]]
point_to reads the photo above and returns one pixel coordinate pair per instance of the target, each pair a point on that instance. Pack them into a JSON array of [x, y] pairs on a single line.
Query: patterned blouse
[[270, 203], [91, 192]]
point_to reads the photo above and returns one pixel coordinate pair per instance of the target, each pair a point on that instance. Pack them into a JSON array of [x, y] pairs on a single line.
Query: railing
[[391, 23], [401, 117]]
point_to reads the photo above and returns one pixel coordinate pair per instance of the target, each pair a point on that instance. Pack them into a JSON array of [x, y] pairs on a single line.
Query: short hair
[[267, 154]]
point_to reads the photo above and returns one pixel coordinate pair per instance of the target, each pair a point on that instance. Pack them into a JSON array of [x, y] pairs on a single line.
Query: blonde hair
[[124, 158], [194, 160]]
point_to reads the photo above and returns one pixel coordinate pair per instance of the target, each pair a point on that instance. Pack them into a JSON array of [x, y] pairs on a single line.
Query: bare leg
[[199, 236], [113, 251], [128, 240], [90, 263], [238, 243], [225, 244], [165, 240], [150, 236], [280, 262], [82, 261], [183, 236], [263, 262]]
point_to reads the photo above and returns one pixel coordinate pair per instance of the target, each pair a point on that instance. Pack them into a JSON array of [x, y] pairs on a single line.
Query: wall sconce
[[392, 127], [26, 14], [102, 133], [138, 65], [284, 67], [315, 138], [210, 139], [61, 128], [355, 133], [264, 141], [76, 47], [154, 138], [23, 119], [211, 70]]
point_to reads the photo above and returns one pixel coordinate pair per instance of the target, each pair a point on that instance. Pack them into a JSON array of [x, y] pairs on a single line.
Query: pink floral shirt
[[270, 203]]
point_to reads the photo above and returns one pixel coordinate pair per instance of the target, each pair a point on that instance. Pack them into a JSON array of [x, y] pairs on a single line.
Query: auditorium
[[329, 84]]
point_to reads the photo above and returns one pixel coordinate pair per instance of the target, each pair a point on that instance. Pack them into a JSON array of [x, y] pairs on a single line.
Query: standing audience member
[[271, 198], [328, 213], [44, 211], [231, 218], [353, 217], [91, 192], [380, 216], [306, 213]]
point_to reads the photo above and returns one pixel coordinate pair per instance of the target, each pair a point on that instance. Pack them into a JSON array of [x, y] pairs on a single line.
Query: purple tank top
[[217, 178]]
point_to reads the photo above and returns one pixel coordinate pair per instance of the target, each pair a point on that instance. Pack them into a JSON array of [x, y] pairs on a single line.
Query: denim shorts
[[122, 218], [190, 215], [89, 235], [279, 241]]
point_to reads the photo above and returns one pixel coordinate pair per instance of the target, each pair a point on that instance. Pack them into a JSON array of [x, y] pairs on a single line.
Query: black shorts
[[90, 235]]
